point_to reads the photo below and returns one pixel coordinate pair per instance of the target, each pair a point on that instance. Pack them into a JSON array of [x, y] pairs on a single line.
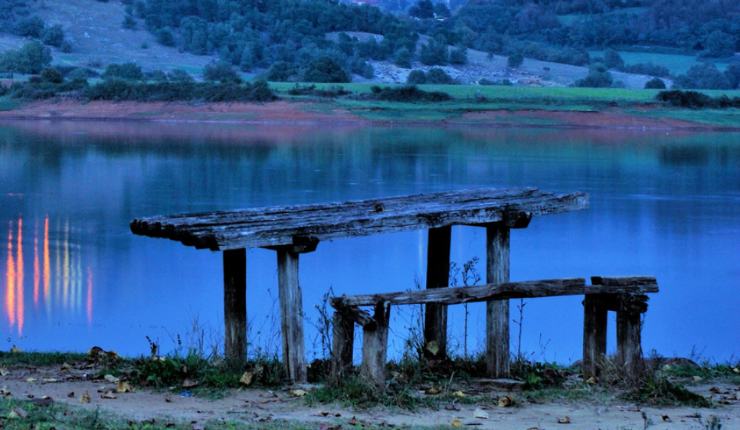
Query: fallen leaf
[[480, 414], [246, 378], [108, 395], [697, 378], [124, 387], [190, 383], [298, 393], [112, 379], [432, 347], [504, 401], [432, 391], [456, 423], [459, 394], [30, 380], [591, 380], [49, 380], [85, 398], [3, 371], [564, 420]]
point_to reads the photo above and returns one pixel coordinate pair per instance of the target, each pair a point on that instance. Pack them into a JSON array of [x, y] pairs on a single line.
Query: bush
[[52, 75], [655, 84], [459, 55], [30, 27], [696, 100], [646, 69], [407, 94], [703, 76], [515, 60], [325, 69], [598, 77], [403, 58], [434, 53], [165, 37], [220, 72], [128, 71], [129, 23], [178, 75], [53, 36], [32, 58], [281, 72], [416, 77], [439, 76], [119, 90], [613, 60]]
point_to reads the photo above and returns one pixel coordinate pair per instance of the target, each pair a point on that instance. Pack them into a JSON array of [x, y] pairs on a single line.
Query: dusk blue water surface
[[73, 276]]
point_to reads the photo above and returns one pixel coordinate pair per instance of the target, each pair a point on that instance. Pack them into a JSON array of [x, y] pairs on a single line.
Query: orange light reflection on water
[[67, 288]]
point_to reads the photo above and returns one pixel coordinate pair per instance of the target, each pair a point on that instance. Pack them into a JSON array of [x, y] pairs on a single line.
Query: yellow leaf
[[433, 347], [432, 391], [15, 350], [298, 393], [124, 387], [85, 398], [459, 394], [246, 378], [456, 423], [504, 401]]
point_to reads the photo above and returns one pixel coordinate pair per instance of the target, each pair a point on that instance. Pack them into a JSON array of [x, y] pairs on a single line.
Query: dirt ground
[[70, 385]]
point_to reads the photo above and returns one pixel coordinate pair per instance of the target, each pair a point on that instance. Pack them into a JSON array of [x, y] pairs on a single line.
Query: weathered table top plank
[[288, 225]]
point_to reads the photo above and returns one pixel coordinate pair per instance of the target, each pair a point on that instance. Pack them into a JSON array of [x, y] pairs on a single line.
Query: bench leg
[[235, 305], [629, 343], [291, 310], [342, 344], [438, 276], [497, 311], [375, 346], [594, 335]]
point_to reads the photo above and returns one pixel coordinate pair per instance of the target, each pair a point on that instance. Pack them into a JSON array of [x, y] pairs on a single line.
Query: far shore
[[328, 113]]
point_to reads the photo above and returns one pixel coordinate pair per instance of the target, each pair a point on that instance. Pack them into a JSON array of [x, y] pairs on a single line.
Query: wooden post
[[375, 346], [438, 276], [497, 311], [342, 344], [629, 338], [235, 305], [594, 334], [291, 310]]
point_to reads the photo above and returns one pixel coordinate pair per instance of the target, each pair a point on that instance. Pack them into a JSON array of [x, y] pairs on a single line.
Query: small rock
[[298, 393], [190, 383], [109, 395], [246, 378], [564, 420], [505, 401], [112, 379]]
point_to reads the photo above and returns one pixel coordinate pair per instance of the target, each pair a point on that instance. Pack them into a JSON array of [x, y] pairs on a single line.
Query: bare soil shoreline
[[326, 114]]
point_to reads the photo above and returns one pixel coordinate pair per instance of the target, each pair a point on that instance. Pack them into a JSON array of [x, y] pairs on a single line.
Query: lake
[[73, 276]]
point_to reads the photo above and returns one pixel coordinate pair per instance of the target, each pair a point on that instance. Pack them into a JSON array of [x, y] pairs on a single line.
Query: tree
[[719, 44], [441, 11], [434, 53], [459, 55], [165, 37], [129, 23], [732, 74], [32, 58], [703, 76], [655, 84], [126, 71], [281, 71], [324, 69], [220, 72], [416, 77], [439, 76], [423, 9], [403, 58], [598, 77], [52, 76], [30, 27], [53, 36], [515, 60], [613, 60], [180, 76]]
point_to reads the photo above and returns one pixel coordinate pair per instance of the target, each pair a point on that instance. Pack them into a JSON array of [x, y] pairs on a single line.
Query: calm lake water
[[73, 276]]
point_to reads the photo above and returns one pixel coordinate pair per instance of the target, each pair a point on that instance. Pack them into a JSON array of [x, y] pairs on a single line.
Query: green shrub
[[32, 58], [53, 36], [281, 71], [128, 71], [515, 60], [220, 72], [696, 100], [325, 69], [703, 76], [598, 77], [408, 93], [416, 77], [439, 76], [655, 84], [52, 76], [32, 26]]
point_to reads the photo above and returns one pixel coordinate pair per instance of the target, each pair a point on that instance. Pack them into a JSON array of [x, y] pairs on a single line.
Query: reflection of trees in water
[[56, 280]]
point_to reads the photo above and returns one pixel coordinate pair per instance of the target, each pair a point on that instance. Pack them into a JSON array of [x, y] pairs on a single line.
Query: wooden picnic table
[[293, 230]]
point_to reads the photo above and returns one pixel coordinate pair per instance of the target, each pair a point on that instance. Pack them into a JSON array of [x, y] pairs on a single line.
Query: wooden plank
[[269, 227], [291, 310], [594, 334], [342, 344], [235, 305], [497, 310], [629, 343], [438, 276], [458, 295], [375, 346]]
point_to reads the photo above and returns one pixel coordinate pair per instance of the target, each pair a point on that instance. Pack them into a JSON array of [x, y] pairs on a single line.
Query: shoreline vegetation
[[262, 102], [114, 387]]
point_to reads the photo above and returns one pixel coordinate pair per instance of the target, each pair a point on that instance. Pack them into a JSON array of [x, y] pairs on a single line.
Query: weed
[[658, 390]]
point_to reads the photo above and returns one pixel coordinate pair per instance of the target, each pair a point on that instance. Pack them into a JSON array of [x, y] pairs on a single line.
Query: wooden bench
[[626, 296], [293, 230]]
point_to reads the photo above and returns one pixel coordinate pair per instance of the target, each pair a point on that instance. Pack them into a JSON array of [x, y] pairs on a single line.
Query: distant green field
[[677, 63]]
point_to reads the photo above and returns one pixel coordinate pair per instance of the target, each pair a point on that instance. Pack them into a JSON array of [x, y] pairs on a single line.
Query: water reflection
[[52, 289]]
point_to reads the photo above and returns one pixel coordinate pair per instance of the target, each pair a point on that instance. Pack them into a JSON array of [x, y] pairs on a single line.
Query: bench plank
[[509, 290], [287, 225]]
